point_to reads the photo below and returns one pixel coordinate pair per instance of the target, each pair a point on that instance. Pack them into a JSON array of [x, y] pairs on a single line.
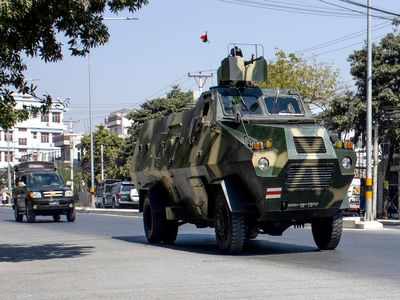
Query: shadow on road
[[206, 244], [20, 252]]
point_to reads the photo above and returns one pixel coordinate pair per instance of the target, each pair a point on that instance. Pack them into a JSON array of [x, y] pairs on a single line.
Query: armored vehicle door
[[201, 137]]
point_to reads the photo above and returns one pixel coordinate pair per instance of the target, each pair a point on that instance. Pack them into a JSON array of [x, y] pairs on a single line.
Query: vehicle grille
[[309, 144], [300, 177], [53, 194]]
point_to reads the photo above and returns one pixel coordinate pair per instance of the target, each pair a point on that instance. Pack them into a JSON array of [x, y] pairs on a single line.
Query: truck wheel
[[230, 229], [327, 231], [30, 215], [18, 217], [152, 222], [170, 232], [56, 218], [71, 215]]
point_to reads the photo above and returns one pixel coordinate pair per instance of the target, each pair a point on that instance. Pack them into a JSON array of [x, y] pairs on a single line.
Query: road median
[[108, 211]]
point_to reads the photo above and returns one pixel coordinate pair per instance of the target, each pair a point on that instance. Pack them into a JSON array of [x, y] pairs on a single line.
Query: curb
[[106, 211]]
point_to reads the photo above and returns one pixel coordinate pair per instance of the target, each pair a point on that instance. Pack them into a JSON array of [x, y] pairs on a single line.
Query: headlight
[[35, 195], [346, 162], [68, 194], [263, 163]]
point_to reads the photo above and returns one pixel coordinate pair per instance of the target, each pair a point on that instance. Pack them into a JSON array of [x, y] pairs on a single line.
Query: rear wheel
[[327, 231], [56, 218], [230, 228], [156, 227], [152, 222], [71, 215], [18, 217]]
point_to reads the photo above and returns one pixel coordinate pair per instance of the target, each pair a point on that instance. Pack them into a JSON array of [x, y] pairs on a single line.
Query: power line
[[353, 10], [346, 37], [371, 7], [289, 9]]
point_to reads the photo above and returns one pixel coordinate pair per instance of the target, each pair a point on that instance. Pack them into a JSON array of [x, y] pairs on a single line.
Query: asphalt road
[[107, 257]]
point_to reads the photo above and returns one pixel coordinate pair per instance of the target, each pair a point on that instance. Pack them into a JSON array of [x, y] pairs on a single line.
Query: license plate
[[54, 203]]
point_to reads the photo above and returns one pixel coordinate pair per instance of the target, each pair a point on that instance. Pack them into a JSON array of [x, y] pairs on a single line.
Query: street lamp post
[[92, 187]]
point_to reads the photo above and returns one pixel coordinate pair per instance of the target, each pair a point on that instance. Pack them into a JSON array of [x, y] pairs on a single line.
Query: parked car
[[102, 191], [124, 194]]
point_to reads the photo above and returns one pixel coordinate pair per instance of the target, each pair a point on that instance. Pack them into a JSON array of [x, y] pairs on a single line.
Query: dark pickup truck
[[40, 190]]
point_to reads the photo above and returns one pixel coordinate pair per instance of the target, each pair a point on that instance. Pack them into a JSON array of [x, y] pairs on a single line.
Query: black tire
[[170, 232], [56, 218], [71, 215], [152, 223], [18, 217], [230, 229], [113, 203], [30, 214], [327, 231]]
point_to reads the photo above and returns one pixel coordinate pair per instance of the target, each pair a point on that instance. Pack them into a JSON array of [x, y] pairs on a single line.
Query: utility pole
[[71, 158], [91, 136], [92, 187], [376, 165], [369, 219], [201, 79], [102, 161], [368, 191], [9, 177]]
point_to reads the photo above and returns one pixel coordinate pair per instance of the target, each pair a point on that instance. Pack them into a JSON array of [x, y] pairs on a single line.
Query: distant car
[[99, 202], [40, 190], [124, 194], [103, 193]]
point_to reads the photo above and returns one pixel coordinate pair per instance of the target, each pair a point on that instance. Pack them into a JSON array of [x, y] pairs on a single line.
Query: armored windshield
[[246, 100], [283, 105], [45, 179]]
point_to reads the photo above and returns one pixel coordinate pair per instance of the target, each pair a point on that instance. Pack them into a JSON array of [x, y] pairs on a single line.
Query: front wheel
[[327, 231], [56, 218], [30, 214], [71, 215], [230, 228]]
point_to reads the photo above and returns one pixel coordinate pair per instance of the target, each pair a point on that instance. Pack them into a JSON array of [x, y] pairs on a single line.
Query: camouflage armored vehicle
[[243, 160]]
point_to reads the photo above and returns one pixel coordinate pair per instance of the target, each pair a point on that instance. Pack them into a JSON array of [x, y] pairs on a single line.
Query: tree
[[175, 100], [316, 83], [114, 161], [32, 29], [385, 92]]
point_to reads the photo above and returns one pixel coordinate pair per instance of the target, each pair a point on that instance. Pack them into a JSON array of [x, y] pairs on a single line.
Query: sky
[[144, 58]]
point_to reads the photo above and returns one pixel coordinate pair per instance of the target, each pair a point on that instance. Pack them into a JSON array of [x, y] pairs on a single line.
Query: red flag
[[204, 37]]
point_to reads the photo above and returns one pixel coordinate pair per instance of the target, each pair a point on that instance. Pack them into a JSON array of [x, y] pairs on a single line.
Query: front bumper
[[127, 201], [52, 206]]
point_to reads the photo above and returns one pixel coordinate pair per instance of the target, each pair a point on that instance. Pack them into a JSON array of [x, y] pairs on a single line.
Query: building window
[[34, 135], [56, 117], [44, 137], [22, 141], [8, 136], [44, 118], [8, 157], [22, 129]]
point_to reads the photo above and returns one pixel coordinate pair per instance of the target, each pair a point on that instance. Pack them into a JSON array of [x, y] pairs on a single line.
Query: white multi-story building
[[32, 139], [69, 144], [117, 122]]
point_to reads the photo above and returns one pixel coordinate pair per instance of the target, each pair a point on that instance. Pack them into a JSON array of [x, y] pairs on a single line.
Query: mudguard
[[236, 196]]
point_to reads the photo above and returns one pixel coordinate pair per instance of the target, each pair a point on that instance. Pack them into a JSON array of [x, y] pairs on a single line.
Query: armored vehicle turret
[[244, 160]]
